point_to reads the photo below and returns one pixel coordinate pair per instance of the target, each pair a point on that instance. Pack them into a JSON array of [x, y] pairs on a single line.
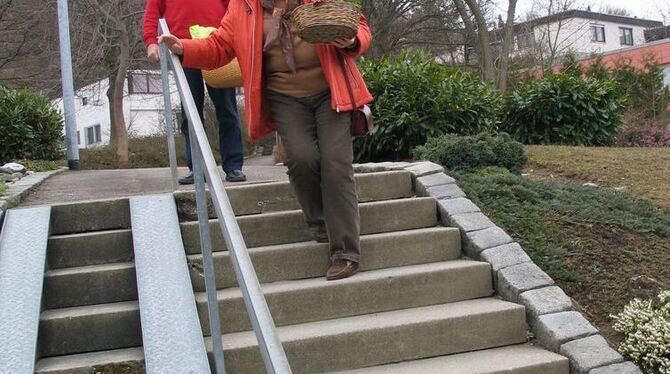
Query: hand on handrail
[[173, 43]]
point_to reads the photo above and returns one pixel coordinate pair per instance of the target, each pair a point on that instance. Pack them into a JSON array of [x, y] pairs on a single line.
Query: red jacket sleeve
[[214, 51], [364, 39], [152, 12]]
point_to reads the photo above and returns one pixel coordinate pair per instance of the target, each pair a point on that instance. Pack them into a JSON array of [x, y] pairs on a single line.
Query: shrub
[[31, 127], [3, 187], [563, 109], [645, 90], [416, 98], [646, 329], [638, 134], [473, 152]]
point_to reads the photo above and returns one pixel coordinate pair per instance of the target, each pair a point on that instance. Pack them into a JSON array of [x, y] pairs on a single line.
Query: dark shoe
[[321, 238], [235, 176], [340, 269], [187, 179]]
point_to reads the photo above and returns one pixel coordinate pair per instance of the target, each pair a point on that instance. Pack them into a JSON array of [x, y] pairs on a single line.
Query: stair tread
[[509, 359], [363, 276], [373, 321], [281, 286], [91, 359], [89, 269]]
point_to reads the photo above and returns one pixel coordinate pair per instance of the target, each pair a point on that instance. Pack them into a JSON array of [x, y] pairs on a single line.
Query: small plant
[[3, 187], [646, 327], [30, 126], [473, 152]]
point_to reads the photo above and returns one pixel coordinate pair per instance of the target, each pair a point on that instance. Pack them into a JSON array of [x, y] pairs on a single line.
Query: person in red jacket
[[180, 15], [299, 89]]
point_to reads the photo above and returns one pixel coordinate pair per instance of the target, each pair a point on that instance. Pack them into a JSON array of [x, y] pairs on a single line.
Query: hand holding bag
[[361, 117]]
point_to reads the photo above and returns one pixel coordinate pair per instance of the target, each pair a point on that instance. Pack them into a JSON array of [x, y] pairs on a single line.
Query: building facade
[[582, 32], [142, 104]]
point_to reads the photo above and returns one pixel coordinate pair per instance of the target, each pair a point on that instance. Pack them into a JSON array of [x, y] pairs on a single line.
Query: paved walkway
[[104, 184]]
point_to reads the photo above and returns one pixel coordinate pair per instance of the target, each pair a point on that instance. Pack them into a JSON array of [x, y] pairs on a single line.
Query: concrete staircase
[[418, 306]]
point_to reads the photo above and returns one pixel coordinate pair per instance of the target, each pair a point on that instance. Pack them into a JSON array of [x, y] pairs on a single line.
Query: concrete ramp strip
[[171, 333], [23, 244]]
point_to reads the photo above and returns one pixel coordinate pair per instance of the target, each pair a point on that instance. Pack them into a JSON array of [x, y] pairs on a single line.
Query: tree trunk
[[470, 30], [486, 54], [120, 139], [503, 71]]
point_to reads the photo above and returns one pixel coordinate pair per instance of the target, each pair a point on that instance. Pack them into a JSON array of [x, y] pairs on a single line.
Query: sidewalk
[[104, 184]]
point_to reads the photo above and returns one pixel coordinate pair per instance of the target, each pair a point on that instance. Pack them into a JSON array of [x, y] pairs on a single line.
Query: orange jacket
[[241, 36]]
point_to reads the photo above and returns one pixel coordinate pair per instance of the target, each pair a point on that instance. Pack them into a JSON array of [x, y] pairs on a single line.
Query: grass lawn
[[645, 172], [602, 246]]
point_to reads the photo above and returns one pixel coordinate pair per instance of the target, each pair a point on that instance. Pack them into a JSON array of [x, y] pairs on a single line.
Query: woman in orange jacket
[[300, 90]]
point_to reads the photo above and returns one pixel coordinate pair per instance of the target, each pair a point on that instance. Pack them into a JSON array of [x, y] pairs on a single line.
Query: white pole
[[68, 86]]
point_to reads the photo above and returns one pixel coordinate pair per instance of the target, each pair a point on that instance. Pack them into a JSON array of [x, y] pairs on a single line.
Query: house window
[[598, 33], [84, 101], [144, 83], [93, 135], [626, 36], [525, 41]]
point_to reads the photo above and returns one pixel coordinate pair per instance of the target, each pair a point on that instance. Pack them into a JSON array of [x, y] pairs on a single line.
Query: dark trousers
[[225, 104], [319, 156]]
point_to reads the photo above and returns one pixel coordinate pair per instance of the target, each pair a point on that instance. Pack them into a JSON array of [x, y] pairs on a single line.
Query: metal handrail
[[270, 345]]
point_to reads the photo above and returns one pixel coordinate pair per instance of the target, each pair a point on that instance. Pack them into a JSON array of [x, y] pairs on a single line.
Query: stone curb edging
[[18, 190], [550, 313]]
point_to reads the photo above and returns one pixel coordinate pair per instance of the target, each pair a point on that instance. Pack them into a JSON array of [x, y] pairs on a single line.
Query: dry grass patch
[[645, 172]]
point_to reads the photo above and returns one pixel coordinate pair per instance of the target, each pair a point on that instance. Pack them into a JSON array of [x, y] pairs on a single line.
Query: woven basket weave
[[227, 76], [326, 21]]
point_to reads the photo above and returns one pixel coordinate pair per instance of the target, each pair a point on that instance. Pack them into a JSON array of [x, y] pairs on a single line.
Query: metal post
[[68, 86], [167, 103], [207, 259]]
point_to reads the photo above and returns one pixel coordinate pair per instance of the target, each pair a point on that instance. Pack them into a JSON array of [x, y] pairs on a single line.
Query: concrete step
[[293, 302], [88, 285], [352, 342], [89, 328], [310, 259], [67, 331], [289, 226], [380, 338], [91, 248], [126, 361], [515, 359], [272, 197], [70, 218], [112, 214]]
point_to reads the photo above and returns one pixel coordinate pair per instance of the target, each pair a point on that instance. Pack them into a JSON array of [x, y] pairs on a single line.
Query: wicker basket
[[326, 21], [227, 76]]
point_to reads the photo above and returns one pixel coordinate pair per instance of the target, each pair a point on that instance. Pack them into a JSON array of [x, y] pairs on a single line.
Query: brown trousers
[[319, 157]]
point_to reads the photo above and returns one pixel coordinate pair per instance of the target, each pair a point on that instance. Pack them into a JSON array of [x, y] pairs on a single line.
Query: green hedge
[[30, 127], [416, 98], [473, 152], [564, 109]]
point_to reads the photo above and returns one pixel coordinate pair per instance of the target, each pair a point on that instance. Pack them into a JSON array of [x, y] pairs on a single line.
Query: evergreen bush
[[416, 98], [30, 127], [473, 152], [564, 109]]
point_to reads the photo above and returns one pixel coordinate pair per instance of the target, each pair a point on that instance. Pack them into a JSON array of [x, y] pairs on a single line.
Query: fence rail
[[204, 166]]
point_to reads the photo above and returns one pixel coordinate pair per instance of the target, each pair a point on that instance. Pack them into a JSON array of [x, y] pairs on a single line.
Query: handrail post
[[263, 325], [207, 257], [167, 104]]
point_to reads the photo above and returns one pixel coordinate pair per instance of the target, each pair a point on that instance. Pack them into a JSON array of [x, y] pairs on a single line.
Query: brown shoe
[[340, 269]]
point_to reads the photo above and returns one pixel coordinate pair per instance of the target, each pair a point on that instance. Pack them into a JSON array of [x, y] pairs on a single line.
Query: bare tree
[[615, 11]]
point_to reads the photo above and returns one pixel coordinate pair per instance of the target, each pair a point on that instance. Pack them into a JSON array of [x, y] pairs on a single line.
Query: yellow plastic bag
[[227, 76]]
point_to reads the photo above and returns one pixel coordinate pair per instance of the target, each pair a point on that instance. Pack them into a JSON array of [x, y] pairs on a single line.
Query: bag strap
[[346, 80]]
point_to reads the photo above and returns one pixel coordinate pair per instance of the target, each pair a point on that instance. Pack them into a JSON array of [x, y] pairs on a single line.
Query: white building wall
[[576, 34], [143, 112]]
